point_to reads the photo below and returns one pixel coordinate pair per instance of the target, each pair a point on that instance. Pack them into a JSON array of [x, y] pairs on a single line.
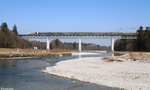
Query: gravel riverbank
[[121, 73]]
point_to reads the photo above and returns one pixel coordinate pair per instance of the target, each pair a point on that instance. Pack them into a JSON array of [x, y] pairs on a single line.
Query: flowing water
[[25, 74]]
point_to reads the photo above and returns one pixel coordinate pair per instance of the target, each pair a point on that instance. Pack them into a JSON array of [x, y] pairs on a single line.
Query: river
[[25, 74]]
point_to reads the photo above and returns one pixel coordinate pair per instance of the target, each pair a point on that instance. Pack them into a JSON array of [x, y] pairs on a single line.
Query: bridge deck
[[125, 35]]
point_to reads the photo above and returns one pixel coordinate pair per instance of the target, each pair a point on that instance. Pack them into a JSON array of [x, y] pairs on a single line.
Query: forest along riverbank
[[124, 71], [30, 53]]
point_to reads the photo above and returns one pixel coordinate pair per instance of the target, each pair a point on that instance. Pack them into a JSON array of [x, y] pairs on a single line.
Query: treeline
[[142, 43], [74, 46], [10, 39]]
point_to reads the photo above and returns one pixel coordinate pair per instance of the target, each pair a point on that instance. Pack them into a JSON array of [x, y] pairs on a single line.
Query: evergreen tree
[[140, 39], [15, 29], [6, 35], [4, 27], [2, 39], [74, 45], [57, 42], [147, 39]]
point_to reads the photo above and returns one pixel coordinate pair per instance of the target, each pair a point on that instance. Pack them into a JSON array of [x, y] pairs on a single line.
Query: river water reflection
[[25, 74]]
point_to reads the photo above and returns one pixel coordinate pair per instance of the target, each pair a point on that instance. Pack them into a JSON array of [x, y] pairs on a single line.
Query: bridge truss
[[80, 35]]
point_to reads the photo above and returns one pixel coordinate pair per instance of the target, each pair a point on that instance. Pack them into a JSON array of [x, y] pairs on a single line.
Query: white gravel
[[86, 53], [131, 75]]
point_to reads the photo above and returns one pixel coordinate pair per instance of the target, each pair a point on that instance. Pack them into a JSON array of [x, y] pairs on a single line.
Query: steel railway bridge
[[80, 36]]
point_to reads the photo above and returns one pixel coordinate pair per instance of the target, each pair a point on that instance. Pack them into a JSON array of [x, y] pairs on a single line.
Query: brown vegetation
[[18, 51], [134, 56], [111, 59], [138, 56], [6, 53]]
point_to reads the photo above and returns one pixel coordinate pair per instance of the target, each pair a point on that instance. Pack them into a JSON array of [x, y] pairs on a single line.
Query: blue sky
[[75, 15]]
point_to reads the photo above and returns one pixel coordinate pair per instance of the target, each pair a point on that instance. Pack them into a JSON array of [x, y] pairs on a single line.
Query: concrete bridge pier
[[112, 44], [80, 47], [48, 44]]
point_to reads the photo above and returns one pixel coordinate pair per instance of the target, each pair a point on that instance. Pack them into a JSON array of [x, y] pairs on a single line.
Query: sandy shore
[[126, 74]]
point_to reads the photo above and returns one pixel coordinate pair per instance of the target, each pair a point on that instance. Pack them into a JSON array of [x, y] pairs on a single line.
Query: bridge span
[[80, 36]]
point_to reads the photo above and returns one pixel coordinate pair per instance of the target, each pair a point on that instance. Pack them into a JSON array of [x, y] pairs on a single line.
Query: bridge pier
[[48, 44], [112, 44], [80, 47]]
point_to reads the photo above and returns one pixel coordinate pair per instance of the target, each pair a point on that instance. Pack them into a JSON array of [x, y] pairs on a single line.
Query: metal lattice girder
[[83, 35]]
